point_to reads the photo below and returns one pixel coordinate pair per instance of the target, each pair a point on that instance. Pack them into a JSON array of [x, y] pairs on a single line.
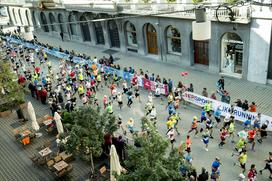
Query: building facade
[[240, 48]]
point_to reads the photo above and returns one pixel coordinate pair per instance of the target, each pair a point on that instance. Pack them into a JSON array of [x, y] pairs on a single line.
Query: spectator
[[204, 92], [239, 103], [213, 96], [190, 88], [245, 105], [221, 83], [253, 107], [204, 176]]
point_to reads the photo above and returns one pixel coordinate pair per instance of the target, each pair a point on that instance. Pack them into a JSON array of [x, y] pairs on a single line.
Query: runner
[[194, 126], [205, 139], [242, 159], [268, 165]]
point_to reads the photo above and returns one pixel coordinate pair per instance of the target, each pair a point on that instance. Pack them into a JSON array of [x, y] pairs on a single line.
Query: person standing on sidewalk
[[62, 36]]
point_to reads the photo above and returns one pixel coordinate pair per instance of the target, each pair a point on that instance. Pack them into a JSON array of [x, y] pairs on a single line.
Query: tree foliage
[[11, 93], [87, 128], [151, 160]]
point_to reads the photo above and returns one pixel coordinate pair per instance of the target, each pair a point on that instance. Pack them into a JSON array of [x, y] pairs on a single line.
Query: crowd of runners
[[71, 85]]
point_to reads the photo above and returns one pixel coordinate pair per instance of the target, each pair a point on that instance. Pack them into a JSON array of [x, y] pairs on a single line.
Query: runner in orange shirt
[[194, 126]]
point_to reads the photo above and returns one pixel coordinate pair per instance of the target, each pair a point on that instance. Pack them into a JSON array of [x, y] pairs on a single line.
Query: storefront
[[232, 55]]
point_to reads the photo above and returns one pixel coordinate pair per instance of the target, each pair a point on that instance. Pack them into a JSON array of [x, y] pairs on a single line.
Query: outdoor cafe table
[[65, 156], [45, 152], [60, 165]]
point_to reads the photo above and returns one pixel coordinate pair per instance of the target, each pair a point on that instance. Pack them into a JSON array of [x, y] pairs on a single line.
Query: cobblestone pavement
[[261, 94]]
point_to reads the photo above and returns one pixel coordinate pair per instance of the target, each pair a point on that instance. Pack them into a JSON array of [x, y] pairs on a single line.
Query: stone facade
[[149, 36]]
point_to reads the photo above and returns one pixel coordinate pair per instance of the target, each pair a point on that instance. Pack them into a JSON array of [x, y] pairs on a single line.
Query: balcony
[[45, 4], [12, 2], [91, 6], [241, 14]]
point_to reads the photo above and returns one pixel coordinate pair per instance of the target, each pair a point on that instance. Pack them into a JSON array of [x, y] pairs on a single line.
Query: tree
[[87, 129], [11, 93], [151, 159]]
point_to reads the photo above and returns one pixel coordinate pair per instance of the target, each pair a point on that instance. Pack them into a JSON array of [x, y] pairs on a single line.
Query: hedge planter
[[5, 114]]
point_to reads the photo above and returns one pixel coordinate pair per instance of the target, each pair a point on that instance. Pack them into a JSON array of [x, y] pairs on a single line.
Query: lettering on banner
[[238, 113]]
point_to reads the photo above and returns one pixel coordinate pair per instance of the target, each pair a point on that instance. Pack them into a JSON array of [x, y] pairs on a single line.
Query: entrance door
[[151, 36], [201, 52]]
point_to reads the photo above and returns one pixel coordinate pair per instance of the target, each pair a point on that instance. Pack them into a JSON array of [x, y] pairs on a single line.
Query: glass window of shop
[[232, 54], [131, 35], [173, 40]]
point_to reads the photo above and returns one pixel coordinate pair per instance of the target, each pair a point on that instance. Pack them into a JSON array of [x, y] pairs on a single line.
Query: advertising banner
[[238, 113]]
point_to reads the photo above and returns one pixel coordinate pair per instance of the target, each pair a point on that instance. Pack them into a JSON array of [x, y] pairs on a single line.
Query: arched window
[[20, 16], [62, 26], [99, 33], [14, 16], [73, 26], [173, 40], [85, 29], [44, 22], [131, 35], [52, 22], [114, 34], [27, 17]]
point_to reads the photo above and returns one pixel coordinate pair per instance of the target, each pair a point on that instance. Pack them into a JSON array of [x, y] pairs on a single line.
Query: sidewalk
[[260, 94]]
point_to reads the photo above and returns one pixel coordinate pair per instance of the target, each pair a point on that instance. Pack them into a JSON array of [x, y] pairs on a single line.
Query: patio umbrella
[[32, 116], [59, 125], [114, 163]]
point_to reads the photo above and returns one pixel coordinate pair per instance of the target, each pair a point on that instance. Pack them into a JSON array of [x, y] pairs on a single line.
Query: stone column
[[106, 33], [260, 32]]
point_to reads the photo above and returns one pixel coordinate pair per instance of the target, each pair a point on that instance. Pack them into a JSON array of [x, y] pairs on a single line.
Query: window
[[131, 35], [73, 26], [52, 22], [173, 40]]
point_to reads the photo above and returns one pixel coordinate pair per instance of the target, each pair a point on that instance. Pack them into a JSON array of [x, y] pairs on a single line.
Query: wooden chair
[[57, 158], [61, 173], [34, 160], [50, 165], [46, 143], [69, 168]]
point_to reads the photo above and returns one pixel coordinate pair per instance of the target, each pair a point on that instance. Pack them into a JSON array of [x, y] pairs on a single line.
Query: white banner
[[238, 113]]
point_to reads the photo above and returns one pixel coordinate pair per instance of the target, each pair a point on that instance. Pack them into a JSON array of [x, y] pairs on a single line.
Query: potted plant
[[4, 112]]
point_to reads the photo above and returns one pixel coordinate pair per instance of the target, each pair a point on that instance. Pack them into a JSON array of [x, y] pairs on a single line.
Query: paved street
[[201, 158], [245, 90]]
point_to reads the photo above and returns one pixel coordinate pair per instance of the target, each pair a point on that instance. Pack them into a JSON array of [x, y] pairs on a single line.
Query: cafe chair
[[50, 164], [57, 158], [61, 173], [47, 143], [69, 168], [34, 160]]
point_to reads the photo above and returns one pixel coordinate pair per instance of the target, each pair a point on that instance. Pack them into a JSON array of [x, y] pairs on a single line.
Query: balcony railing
[[92, 6], [241, 14]]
